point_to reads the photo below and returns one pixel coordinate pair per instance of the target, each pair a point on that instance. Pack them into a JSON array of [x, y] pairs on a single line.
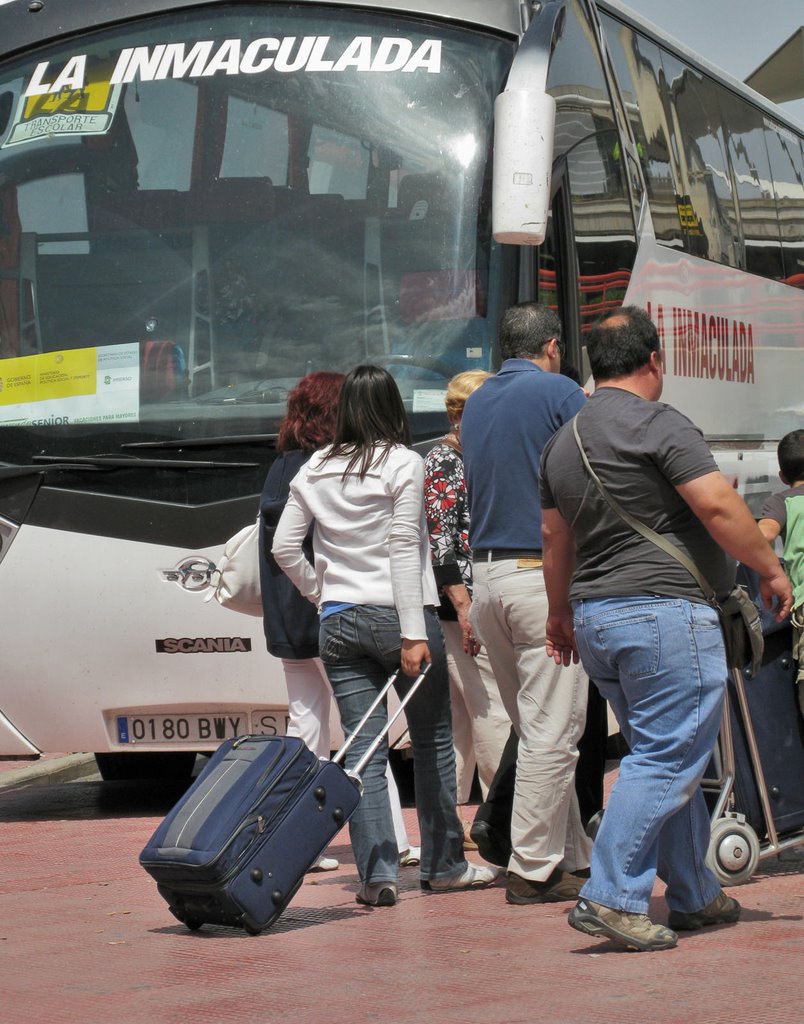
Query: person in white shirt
[[291, 622], [374, 586]]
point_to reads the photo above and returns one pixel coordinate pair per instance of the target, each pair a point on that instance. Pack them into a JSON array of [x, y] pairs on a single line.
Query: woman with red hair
[[290, 621]]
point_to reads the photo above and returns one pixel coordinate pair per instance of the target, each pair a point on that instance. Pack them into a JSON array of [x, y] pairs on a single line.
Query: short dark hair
[[791, 456], [371, 419], [621, 343], [309, 421], [525, 330]]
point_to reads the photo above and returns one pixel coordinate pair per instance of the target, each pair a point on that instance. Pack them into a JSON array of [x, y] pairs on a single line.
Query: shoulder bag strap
[[451, 442], [661, 542]]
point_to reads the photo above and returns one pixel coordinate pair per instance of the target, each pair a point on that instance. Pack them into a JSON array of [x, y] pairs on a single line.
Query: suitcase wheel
[[250, 929], [733, 850], [193, 923]]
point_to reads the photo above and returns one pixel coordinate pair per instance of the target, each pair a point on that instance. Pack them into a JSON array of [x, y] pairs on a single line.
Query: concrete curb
[[71, 768]]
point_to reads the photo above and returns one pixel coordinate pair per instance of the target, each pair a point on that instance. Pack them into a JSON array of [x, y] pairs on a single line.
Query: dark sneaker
[[560, 886], [722, 910], [634, 931], [377, 894], [491, 844]]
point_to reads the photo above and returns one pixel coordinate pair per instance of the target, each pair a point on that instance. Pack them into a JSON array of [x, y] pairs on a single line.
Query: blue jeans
[[360, 648], [660, 664]]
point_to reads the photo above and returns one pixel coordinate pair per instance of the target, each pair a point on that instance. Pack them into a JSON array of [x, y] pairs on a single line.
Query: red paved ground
[[84, 937]]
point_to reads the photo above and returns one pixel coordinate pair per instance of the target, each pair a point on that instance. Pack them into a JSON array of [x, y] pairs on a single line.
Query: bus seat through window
[[240, 200], [153, 209]]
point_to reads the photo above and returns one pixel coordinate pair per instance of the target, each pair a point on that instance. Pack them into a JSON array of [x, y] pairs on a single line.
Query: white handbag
[[235, 583]]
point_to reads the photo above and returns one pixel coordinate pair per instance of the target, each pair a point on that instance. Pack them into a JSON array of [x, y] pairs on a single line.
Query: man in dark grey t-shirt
[[643, 629]]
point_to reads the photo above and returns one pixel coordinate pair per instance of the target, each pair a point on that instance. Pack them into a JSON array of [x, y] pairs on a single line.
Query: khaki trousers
[[547, 706]]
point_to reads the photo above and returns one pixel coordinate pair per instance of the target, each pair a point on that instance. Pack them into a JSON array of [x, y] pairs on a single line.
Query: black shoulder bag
[[739, 618]]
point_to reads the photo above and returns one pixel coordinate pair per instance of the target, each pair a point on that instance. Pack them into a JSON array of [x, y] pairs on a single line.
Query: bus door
[[548, 272], [566, 191]]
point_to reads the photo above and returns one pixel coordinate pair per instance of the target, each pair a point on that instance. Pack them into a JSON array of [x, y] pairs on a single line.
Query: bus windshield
[[199, 209]]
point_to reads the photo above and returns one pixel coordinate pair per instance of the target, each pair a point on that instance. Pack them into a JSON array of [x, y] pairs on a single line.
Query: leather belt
[[505, 554]]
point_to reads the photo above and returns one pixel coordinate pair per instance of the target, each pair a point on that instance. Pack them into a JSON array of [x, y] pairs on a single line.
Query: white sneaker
[[473, 876], [411, 857], [325, 864]]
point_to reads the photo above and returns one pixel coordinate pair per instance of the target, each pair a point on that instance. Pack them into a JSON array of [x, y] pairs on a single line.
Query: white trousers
[[547, 706], [309, 702], [480, 723]]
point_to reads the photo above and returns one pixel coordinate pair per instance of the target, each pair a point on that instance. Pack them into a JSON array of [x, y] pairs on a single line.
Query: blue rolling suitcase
[[235, 849]]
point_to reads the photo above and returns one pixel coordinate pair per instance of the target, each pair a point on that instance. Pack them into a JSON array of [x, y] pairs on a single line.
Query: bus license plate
[[201, 729]]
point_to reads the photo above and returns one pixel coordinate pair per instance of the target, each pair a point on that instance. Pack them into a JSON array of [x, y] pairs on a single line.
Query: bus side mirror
[[523, 157]]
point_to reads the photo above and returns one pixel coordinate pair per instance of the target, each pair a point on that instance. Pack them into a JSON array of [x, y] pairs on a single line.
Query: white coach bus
[[202, 201]]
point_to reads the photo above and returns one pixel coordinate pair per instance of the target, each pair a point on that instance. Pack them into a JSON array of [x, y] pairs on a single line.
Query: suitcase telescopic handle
[[356, 772]]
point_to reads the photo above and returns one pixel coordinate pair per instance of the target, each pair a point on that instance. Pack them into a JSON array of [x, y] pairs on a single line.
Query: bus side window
[[787, 169], [705, 201], [638, 66], [753, 186]]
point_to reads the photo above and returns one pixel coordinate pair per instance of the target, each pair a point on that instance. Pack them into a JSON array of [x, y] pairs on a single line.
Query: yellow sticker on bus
[[48, 375], [78, 103], [82, 385]]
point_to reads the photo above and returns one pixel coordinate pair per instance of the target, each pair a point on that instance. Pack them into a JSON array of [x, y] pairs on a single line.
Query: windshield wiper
[[133, 461], [205, 442], [9, 472]]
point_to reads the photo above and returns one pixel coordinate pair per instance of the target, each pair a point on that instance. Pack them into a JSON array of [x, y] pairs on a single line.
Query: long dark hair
[[312, 409], [371, 419]]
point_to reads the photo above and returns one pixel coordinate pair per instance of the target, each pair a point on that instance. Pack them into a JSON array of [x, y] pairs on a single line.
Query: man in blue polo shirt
[[505, 426]]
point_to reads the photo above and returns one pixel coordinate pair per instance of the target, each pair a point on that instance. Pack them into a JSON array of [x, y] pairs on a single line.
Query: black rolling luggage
[[779, 731], [235, 849]]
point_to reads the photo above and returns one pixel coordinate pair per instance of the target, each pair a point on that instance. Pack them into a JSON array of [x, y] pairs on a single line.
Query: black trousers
[[495, 811]]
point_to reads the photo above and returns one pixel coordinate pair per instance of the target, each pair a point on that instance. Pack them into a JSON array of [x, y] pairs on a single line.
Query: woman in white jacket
[[374, 586]]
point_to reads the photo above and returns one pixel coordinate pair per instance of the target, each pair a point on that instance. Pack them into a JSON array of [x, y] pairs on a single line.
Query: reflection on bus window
[[241, 229], [787, 170], [705, 188], [637, 63], [753, 184]]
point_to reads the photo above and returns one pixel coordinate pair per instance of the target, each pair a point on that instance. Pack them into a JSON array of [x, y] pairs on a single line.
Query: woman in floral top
[[479, 723]]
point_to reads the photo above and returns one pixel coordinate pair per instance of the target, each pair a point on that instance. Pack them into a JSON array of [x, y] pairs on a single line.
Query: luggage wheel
[[733, 850]]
